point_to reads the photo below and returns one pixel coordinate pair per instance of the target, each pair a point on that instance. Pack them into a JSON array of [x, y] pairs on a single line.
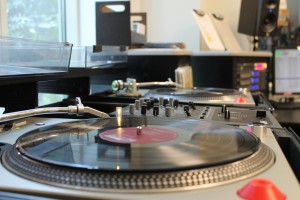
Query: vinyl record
[[196, 92], [137, 144]]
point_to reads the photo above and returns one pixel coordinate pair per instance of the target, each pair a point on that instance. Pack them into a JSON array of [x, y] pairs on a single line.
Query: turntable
[[207, 96], [139, 158], [170, 89]]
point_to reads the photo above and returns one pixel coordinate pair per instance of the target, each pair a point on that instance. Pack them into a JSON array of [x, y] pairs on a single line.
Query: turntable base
[[286, 181], [139, 181]]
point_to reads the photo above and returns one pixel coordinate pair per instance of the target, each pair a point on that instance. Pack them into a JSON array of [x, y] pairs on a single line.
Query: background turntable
[[208, 96], [215, 96]]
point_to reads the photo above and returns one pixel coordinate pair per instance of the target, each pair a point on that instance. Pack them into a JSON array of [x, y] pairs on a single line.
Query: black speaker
[[258, 17]]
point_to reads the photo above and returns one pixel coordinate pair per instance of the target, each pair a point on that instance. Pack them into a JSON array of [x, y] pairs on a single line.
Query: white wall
[[135, 5], [171, 21], [167, 20]]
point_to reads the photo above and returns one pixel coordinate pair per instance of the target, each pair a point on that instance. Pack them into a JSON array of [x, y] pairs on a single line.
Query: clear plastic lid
[[86, 57], [29, 57]]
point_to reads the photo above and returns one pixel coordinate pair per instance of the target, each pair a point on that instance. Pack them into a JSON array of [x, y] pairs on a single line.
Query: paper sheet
[[226, 34], [208, 32]]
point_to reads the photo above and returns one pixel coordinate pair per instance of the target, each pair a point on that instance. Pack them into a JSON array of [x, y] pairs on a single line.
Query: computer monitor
[[286, 79]]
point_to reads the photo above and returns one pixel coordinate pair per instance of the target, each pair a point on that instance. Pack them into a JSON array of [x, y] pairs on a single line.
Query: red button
[[260, 189], [240, 100]]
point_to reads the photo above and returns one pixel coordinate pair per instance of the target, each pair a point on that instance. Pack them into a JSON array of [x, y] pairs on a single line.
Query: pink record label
[[139, 135]]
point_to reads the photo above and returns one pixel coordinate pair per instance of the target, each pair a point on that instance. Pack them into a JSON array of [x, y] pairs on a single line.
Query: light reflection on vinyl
[[161, 144]]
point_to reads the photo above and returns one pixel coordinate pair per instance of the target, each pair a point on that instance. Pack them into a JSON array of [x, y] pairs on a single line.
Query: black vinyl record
[[195, 92], [138, 144]]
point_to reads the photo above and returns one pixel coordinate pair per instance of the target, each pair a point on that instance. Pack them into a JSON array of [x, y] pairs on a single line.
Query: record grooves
[[196, 144], [137, 181]]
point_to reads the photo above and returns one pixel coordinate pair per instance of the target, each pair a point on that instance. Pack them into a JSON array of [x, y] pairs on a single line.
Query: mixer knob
[[137, 104], [156, 110], [168, 111], [149, 105], [227, 114], [144, 109], [119, 112], [175, 103], [132, 109], [171, 101], [152, 102], [156, 100], [166, 101], [161, 101]]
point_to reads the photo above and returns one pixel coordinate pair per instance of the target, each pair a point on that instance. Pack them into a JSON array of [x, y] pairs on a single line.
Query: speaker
[[258, 17]]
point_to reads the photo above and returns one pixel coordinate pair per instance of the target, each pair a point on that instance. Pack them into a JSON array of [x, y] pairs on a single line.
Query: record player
[[170, 89], [142, 157]]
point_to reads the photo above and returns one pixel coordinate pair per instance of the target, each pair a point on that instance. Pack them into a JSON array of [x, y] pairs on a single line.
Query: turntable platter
[[137, 153], [164, 144], [199, 92]]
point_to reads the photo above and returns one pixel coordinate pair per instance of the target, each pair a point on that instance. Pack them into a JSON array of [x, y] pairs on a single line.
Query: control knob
[[175, 103], [156, 109], [144, 109], [132, 109], [168, 111]]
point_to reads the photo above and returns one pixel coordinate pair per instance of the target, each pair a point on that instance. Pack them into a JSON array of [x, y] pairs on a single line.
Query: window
[[34, 19]]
